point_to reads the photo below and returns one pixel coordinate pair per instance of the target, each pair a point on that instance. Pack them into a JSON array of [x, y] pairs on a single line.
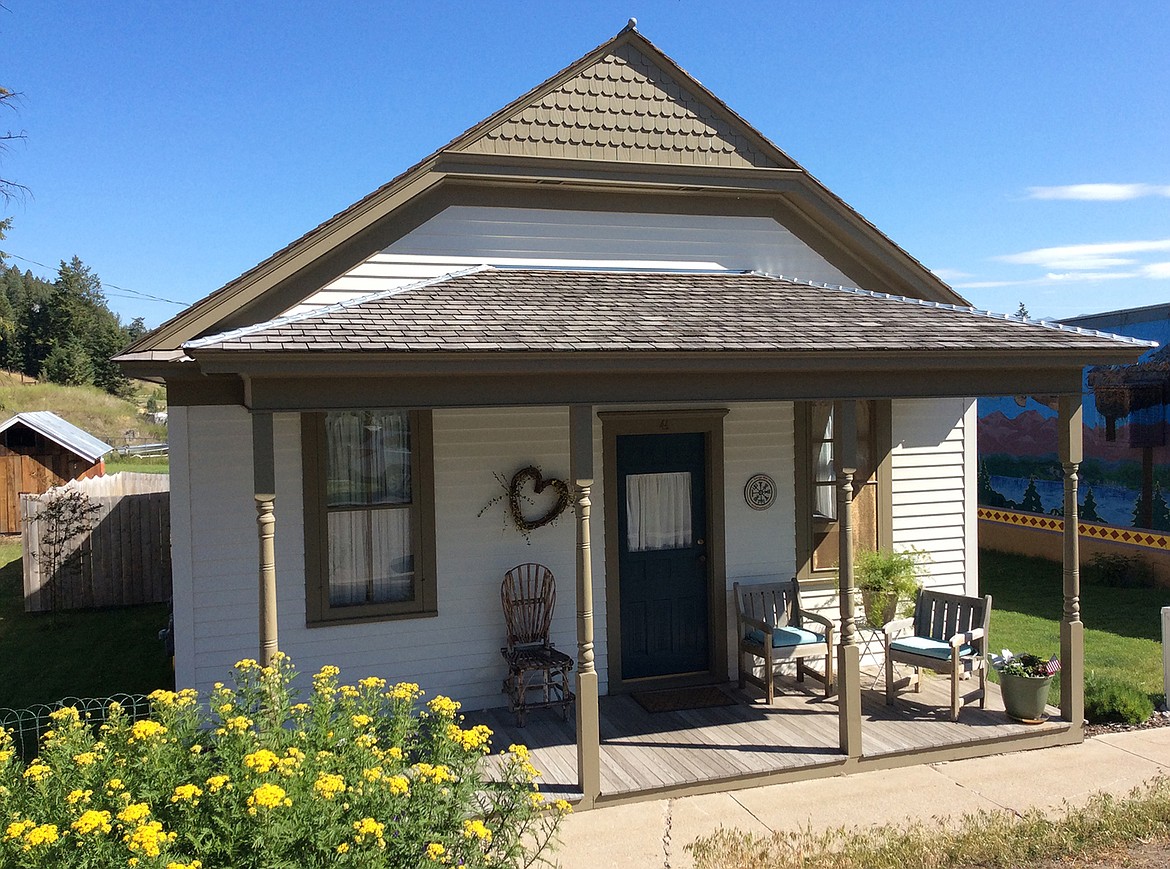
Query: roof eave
[[288, 363]]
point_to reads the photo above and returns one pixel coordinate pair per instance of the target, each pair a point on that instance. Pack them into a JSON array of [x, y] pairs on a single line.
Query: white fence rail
[[125, 559]]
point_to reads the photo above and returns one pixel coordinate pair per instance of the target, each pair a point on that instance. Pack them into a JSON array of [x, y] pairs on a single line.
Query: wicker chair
[[949, 636], [772, 628], [528, 594]]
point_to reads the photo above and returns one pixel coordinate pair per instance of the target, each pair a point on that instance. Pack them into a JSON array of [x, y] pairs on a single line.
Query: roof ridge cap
[[284, 320], [1053, 325]]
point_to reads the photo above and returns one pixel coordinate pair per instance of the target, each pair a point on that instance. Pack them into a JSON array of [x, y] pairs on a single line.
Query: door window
[[658, 511]]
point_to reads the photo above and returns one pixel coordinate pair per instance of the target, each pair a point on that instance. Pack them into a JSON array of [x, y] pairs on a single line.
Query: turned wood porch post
[[1072, 630], [264, 486], [588, 714], [848, 655]]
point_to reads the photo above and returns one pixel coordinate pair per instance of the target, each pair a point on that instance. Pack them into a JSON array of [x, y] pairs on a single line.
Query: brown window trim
[[883, 480], [318, 611]]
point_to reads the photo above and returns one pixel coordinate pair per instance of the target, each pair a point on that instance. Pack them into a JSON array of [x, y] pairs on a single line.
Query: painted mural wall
[[1018, 464]]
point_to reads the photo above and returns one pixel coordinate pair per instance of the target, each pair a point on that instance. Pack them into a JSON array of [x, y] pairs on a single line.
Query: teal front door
[[662, 554]]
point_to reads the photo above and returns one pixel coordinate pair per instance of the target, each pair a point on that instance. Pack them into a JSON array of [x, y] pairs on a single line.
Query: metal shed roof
[[47, 423]]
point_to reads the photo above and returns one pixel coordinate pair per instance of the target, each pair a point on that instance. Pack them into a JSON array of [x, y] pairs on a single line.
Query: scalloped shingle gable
[[623, 107]]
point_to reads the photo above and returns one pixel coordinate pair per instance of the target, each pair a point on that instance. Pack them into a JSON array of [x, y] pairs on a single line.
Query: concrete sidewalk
[[651, 835]]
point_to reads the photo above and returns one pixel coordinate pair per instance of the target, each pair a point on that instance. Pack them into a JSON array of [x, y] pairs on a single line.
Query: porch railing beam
[[1072, 630], [848, 654], [264, 486], [588, 712]]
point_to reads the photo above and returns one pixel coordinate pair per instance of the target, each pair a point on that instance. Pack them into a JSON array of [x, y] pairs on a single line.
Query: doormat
[[676, 699]]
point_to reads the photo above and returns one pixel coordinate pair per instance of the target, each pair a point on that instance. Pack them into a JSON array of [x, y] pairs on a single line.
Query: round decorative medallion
[[760, 492]]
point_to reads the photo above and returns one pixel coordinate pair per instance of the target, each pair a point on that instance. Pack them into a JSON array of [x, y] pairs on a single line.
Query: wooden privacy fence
[[124, 559]]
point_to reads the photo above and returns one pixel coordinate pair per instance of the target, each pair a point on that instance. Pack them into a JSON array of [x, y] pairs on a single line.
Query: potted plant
[[1024, 680], [886, 579]]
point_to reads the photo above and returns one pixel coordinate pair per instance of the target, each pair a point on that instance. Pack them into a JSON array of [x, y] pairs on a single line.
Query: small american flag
[[1053, 665]]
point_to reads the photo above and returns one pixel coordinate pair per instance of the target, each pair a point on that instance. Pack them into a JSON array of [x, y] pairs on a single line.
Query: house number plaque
[[760, 492]]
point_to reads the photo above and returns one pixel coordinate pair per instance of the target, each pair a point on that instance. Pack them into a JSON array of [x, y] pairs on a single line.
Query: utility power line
[[134, 294]]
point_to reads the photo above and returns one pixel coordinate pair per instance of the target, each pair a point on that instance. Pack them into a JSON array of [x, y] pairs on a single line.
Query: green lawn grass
[[80, 654], [137, 464], [1122, 625]]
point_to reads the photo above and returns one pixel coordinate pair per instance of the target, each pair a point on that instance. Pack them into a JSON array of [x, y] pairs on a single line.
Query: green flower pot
[[1024, 697]]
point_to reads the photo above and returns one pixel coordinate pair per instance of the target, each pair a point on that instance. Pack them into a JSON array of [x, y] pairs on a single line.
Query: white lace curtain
[[825, 488], [370, 556], [370, 551], [369, 457], [658, 511]]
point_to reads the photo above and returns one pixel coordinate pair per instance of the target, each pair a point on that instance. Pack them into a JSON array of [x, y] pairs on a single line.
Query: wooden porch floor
[[752, 743]]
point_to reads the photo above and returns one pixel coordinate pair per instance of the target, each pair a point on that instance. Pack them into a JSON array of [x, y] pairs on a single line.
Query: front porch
[[645, 755]]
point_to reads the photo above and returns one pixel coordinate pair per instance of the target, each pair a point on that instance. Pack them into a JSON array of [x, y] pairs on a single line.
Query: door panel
[[662, 547]]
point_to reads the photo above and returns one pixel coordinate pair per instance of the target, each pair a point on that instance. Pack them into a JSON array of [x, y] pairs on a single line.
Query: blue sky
[[1020, 150]]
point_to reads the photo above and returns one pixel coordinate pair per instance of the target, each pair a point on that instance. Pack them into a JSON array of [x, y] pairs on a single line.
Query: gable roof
[[625, 103], [561, 311], [51, 426]]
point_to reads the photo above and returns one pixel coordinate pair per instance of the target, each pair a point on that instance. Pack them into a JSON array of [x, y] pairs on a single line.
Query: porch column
[[848, 655], [588, 714], [1072, 630], [264, 486]]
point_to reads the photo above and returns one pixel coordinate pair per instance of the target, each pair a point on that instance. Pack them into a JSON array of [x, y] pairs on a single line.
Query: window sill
[[364, 618]]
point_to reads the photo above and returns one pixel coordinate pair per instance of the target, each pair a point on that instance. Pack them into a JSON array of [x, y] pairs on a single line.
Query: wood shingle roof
[[520, 310]]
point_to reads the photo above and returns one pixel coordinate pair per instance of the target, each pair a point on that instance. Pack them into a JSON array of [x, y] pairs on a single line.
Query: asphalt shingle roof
[[488, 309]]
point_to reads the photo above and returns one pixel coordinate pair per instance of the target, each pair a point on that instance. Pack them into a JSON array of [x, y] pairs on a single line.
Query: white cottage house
[[614, 279]]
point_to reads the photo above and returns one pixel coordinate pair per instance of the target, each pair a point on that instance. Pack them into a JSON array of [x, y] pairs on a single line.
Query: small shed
[[39, 450]]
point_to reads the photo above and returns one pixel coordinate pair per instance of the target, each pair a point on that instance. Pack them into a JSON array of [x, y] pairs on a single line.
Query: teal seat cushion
[[928, 648], [784, 637]]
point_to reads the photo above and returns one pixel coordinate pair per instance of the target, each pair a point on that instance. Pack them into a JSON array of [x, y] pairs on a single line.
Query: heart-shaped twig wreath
[[515, 495]]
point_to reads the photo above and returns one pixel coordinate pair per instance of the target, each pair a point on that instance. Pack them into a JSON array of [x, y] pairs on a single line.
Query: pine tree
[[1138, 513], [1032, 502], [1088, 510], [1159, 512], [988, 496], [68, 364]]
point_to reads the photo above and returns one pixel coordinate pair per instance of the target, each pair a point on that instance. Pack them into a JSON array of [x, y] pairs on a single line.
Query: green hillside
[[103, 415]]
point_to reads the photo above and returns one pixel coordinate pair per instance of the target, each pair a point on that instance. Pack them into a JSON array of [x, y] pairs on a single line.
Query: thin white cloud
[[1100, 192], [987, 285], [1064, 277], [1158, 271], [1050, 279], [1078, 257], [950, 275]]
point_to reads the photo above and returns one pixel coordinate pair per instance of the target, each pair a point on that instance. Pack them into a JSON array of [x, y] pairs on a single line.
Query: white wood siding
[[761, 544], [457, 653], [182, 549], [220, 533], [463, 236], [933, 490]]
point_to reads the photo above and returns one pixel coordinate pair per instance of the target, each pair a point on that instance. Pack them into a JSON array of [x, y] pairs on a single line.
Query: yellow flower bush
[[253, 776], [92, 822]]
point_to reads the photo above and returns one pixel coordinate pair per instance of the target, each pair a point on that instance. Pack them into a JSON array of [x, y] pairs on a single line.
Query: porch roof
[[559, 311]]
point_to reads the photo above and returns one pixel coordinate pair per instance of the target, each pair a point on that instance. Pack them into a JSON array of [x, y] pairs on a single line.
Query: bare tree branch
[[9, 189]]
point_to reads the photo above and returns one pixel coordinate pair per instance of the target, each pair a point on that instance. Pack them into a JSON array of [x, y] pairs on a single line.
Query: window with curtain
[[368, 500], [822, 534], [364, 526]]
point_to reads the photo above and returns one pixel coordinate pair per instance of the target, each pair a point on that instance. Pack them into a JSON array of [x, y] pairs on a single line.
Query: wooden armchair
[[528, 594], [772, 629], [949, 636]]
